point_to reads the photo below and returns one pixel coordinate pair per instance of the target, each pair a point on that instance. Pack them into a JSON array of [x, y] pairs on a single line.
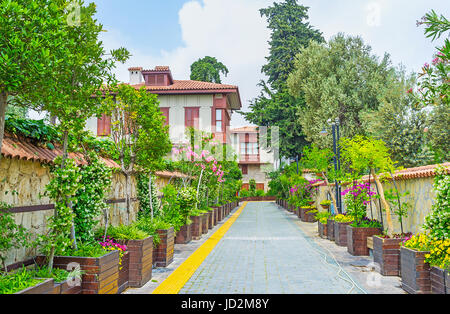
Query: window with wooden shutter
[[104, 126], [165, 112], [160, 80], [244, 169], [191, 118]]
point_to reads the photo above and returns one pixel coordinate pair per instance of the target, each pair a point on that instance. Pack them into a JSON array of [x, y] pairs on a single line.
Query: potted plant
[[415, 271], [322, 224], [310, 215], [325, 204], [341, 222], [330, 228], [439, 260], [386, 253]]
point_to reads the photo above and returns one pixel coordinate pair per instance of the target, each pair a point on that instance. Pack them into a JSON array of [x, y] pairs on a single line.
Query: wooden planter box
[[184, 235], [340, 233], [216, 215], [196, 227], [330, 229], [386, 252], [65, 288], [45, 287], [301, 213], [205, 223], [210, 219], [440, 280], [415, 272], [309, 217], [141, 261], [357, 240], [297, 211], [323, 230], [101, 274], [163, 253], [124, 272]]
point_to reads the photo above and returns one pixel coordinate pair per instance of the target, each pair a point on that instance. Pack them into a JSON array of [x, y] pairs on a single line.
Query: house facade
[[185, 103], [254, 161]]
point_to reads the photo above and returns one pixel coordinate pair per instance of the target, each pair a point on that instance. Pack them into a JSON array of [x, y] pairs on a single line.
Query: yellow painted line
[[177, 280]]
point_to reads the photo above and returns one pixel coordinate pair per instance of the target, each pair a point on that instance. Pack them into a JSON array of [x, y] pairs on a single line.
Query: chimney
[[136, 75]]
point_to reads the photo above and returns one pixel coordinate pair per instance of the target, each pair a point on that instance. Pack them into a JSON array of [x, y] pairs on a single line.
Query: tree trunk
[[199, 182], [333, 199], [3, 105], [69, 204], [390, 228], [150, 193], [127, 194]]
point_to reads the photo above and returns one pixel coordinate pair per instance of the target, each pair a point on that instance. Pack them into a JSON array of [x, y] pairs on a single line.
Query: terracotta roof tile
[[186, 85], [170, 174], [14, 147], [251, 129]]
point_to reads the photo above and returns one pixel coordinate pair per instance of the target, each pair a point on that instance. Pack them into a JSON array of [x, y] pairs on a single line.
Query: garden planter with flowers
[[46, 286], [440, 280], [340, 229], [323, 230], [357, 239], [100, 274], [124, 272], [140, 261], [184, 235], [205, 223], [386, 253], [330, 229], [415, 272], [310, 216], [197, 226], [163, 252]]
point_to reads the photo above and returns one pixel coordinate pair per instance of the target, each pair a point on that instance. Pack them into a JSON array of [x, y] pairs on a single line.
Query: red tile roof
[[245, 129], [408, 174], [15, 147], [187, 86]]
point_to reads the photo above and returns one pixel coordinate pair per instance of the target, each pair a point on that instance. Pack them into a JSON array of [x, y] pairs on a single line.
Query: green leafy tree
[[401, 123], [434, 86], [208, 69], [290, 33], [32, 38], [137, 130], [340, 79]]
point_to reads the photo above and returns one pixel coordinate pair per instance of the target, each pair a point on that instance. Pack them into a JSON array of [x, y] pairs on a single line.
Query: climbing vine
[[144, 197], [95, 183]]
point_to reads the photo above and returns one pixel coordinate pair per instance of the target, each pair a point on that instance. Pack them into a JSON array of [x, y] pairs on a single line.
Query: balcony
[[249, 159]]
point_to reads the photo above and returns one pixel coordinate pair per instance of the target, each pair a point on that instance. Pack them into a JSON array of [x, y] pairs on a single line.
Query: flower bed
[[163, 253], [184, 235], [440, 280], [357, 240]]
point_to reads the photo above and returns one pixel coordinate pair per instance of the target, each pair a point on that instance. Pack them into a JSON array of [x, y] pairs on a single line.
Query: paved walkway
[[265, 251]]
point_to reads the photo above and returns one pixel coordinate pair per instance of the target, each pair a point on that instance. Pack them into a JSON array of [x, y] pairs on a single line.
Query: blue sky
[[178, 32]]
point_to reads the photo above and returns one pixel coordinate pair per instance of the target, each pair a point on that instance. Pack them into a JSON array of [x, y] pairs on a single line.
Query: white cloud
[[234, 32]]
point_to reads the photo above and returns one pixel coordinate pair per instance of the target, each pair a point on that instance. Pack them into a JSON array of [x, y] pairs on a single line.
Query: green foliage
[[323, 217], [252, 186], [438, 222], [393, 197], [86, 250], [361, 153], [144, 197], [18, 281], [316, 159], [340, 79], [208, 69], [62, 189], [275, 107], [95, 183], [177, 205], [12, 235], [400, 122], [60, 275], [124, 232]]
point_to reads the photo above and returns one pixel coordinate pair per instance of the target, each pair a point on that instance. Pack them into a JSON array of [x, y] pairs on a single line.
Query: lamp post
[[337, 157]]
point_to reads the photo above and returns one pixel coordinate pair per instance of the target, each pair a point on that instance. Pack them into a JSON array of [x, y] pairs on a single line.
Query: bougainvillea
[[357, 197]]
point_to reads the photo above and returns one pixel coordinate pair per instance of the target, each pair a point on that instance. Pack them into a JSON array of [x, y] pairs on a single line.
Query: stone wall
[[22, 183]]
